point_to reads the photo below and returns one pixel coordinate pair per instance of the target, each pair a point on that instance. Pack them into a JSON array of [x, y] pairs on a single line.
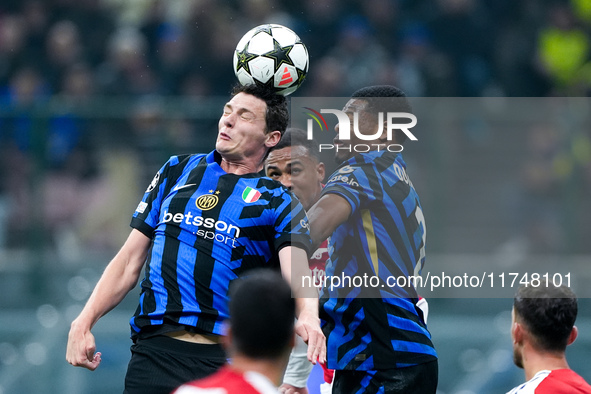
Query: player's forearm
[[295, 270], [307, 307]]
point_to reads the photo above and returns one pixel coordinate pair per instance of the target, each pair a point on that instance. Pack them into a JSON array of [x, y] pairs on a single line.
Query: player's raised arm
[[294, 265], [120, 276]]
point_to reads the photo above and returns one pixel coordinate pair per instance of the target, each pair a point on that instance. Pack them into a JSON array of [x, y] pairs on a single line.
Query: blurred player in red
[[294, 162], [542, 327], [259, 337]]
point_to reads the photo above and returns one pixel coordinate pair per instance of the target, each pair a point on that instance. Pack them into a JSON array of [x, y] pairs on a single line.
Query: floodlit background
[[95, 95]]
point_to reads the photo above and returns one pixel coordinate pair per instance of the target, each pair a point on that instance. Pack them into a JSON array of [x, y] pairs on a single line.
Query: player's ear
[[573, 335], [517, 332], [321, 171], [273, 138], [384, 137]]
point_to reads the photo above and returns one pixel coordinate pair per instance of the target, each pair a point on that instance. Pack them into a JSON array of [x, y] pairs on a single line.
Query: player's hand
[[289, 389], [81, 348], [308, 327]]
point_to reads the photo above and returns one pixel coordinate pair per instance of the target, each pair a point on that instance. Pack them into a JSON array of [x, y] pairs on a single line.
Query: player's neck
[[271, 369], [241, 167], [534, 362]]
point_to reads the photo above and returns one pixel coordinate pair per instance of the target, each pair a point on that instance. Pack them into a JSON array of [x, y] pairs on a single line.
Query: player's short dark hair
[[549, 313], [262, 314], [298, 137], [277, 116], [385, 98]]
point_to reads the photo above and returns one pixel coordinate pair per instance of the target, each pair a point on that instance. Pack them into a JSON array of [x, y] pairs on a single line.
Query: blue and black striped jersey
[[207, 227], [369, 323]]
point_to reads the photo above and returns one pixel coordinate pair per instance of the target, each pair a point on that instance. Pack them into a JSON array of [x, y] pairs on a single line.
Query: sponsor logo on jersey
[[343, 178], [251, 195], [205, 202], [207, 228], [179, 187], [304, 223], [346, 170], [318, 253]]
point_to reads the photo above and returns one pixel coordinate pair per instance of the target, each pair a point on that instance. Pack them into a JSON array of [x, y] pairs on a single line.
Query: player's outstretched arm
[[294, 266], [120, 276]]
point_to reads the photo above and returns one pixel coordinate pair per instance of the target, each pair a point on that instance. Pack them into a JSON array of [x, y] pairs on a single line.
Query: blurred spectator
[[166, 47], [326, 78], [12, 46], [384, 17], [462, 33], [541, 178], [582, 9], [95, 23], [126, 71], [23, 136], [320, 26], [150, 137], [63, 48], [359, 53], [174, 58], [258, 12], [46, 159], [563, 48], [518, 71], [36, 17]]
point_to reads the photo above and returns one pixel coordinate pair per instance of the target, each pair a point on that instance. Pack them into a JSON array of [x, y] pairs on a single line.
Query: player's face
[[241, 129], [368, 125], [298, 171]]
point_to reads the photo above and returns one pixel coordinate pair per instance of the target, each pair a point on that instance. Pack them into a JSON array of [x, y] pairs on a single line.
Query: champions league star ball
[[271, 55]]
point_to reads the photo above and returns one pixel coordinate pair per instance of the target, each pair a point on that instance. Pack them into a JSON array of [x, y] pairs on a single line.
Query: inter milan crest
[[205, 202]]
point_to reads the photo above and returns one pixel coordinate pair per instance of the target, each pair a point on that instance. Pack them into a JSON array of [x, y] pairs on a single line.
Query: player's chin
[[340, 157], [221, 145]]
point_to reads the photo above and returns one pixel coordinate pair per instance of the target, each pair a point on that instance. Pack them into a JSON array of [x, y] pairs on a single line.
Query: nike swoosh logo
[[176, 188]]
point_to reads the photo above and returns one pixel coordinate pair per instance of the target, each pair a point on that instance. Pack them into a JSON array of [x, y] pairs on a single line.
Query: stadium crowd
[[428, 47], [147, 50]]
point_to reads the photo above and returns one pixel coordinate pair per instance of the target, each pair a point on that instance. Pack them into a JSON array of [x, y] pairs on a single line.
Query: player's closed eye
[[247, 117]]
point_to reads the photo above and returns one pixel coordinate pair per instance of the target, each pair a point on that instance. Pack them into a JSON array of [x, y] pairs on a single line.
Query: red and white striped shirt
[[558, 381]]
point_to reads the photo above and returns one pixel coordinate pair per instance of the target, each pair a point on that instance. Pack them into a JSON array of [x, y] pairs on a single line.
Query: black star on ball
[[279, 54], [243, 58]]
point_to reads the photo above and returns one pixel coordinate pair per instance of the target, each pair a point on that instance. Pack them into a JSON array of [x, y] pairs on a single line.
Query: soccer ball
[[271, 55]]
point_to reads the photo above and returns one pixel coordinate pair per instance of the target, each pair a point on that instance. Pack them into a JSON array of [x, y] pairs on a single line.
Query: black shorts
[[420, 378], [160, 364]]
